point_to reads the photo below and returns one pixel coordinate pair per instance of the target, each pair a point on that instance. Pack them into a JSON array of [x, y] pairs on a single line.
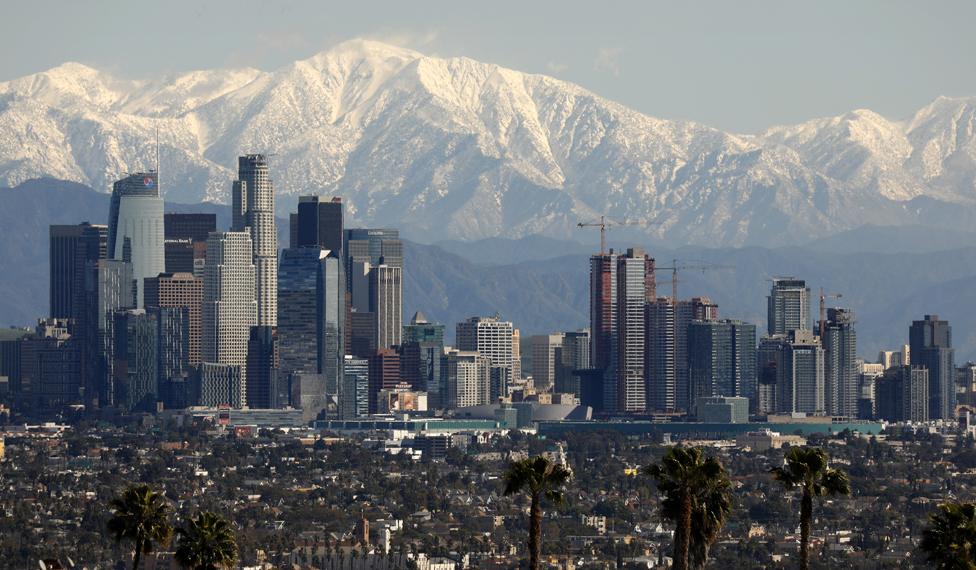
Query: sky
[[739, 65]]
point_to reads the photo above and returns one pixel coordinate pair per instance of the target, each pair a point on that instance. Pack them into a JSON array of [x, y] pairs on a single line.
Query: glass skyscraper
[[136, 228]]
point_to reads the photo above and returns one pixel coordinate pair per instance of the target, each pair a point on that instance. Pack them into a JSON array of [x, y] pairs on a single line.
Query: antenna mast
[[158, 177]]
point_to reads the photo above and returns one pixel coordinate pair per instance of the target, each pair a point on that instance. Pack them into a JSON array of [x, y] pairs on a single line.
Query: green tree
[[541, 478], [206, 543], [807, 468], [697, 499], [950, 539], [140, 515]]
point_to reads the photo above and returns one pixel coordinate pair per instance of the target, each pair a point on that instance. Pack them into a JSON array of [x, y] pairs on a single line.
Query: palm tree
[[696, 498], [542, 479], [206, 543], [950, 539], [142, 516], [806, 467]]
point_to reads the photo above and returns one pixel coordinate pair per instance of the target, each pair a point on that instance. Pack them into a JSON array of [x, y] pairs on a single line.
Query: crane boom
[[823, 310], [676, 265]]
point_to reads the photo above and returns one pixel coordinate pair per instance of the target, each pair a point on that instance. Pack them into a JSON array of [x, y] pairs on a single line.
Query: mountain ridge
[[453, 148]]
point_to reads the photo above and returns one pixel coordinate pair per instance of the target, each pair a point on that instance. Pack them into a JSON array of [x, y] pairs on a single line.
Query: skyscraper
[[253, 211], [721, 359], [175, 377], [603, 323], [688, 311], [931, 348], [788, 306], [573, 355], [262, 368], [50, 367], [186, 241], [420, 357], [319, 223], [135, 228], [467, 379], [137, 360], [312, 315], [386, 302], [661, 382], [840, 354], [108, 288], [354, 400], [180, 290], [635, 288], [545, 350], [794, 365], [229, 306], [902, 394], [384, 374], [72, 247], [490, 337]]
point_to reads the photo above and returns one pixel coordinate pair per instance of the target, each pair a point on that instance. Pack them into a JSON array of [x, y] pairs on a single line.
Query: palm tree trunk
[[535, 532], [806, 514], [138, 555], [682, 535]]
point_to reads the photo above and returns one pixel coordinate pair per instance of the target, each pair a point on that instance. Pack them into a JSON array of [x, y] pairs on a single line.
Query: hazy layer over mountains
[[541, 283]]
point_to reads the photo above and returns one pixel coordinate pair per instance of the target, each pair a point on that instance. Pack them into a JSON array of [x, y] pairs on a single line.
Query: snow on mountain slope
[[455, 148]]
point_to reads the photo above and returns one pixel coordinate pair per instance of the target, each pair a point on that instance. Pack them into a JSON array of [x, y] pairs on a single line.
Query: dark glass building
[[319, 223], [72, 247], [930, 343], [842, 375], [721, 359]]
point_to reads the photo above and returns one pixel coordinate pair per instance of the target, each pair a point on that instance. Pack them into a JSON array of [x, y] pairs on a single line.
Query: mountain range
[[456, 149]]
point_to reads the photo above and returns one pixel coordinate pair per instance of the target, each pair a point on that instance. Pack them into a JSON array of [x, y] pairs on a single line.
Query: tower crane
[[823, 310], [695, 266], [603, 223]]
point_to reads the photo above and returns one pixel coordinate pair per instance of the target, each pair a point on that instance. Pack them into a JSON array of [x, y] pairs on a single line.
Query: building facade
[[136, 228], [252, 199]]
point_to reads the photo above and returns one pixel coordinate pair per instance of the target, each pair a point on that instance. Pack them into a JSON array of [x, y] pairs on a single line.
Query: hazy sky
[[734, 64]]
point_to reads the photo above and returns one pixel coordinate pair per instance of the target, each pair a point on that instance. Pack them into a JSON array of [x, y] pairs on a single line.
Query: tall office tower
[[311, 314], [788, 306], [372, 245], [384, 374], [253, 211], [635, 289], [516, 355], [545, 350], [840, 354], [721, 359], [868, 374], [137, 360], [491, 337], [72, 247], [354, 401], [688, 311], [930, 343], [229, 306], [108, 288], [135, 227], [467, 379], [661, 382], [319, 223], [175, 377], [50, 367], [386, 302], [796, 361], [262, 368], [186, 240], [572, 356], [222, 385], [180, 290], [603, 323], [903, 394]]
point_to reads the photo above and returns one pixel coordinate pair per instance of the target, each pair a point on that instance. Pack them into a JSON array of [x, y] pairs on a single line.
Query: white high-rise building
[[386, 292], [468, 377], [492, 338], [229, 304], [253, 211], [135, 228]]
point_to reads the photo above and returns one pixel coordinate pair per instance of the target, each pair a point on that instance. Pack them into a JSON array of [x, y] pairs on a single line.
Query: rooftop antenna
[[158, 177]]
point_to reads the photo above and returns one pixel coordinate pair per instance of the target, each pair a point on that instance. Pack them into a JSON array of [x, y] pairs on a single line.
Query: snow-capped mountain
[[455, 148]]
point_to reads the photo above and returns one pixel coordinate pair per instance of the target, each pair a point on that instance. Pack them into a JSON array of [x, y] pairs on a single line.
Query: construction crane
[[605, 223], [823, 310], [695, 266]]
